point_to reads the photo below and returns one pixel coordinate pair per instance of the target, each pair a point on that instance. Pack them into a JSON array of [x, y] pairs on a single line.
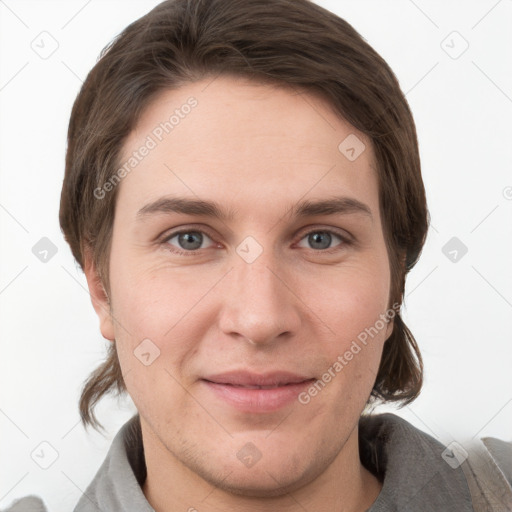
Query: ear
[[99, 298], [389, 328], [391, 322]]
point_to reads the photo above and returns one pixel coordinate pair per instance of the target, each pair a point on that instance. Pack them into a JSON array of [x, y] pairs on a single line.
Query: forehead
[[227, 138]]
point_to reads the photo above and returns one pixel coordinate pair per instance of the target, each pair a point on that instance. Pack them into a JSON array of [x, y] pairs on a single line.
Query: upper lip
[[245, 378]]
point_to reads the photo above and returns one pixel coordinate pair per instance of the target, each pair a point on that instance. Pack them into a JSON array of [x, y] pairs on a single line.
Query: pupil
[[317, 237], [188, 238]]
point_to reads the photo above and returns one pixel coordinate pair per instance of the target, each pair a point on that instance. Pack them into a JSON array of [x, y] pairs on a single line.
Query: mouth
[[248, 379], [250, 393], [281, 384]]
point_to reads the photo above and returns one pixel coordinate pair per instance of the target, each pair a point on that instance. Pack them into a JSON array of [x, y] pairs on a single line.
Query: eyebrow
[[200, 207]]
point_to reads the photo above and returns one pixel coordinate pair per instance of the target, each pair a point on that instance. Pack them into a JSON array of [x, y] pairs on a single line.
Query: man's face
[[263, 291]]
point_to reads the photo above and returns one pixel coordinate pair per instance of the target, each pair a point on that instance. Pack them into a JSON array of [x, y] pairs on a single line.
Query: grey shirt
[[407, 461]]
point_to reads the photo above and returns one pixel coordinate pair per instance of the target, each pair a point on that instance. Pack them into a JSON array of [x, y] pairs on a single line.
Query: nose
[[259, 302]]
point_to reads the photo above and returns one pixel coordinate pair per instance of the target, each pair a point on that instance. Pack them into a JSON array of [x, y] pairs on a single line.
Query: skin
[[257, 150]]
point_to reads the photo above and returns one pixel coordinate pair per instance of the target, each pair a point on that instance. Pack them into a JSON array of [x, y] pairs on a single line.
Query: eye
[[189, 241], [320, 239]]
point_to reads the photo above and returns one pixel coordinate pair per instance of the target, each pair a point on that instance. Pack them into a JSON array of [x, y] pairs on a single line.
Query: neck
[[344, 485]]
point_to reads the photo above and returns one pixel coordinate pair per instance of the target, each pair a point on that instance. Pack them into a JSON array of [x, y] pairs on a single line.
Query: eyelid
[[343, 234], [186, 229]]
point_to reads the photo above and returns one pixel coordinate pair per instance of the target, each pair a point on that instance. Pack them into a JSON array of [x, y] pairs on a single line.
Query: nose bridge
[[259, 305]]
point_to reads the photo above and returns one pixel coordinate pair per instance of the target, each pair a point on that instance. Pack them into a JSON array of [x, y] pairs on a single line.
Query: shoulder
[[488, 470], [501, 453], [412, 466], [474, 475], [27, 504]]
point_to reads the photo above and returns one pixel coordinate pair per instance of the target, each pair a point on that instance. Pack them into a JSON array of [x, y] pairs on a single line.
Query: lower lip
[[258, 400]]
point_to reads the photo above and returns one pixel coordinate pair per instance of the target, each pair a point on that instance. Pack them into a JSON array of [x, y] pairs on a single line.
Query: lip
[[232, 388], [246, 378]]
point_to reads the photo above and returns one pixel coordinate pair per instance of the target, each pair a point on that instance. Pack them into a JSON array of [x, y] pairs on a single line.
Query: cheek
[[354, 298], [355, 314], [354, 310], [152, 301], [164, 313], [156, 334]]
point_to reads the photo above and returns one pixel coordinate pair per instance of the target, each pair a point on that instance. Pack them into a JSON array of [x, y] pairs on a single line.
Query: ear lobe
[[99, 298], [389, 328]]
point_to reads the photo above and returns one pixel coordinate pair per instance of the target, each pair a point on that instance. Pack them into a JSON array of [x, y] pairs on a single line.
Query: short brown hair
[[289, 42]]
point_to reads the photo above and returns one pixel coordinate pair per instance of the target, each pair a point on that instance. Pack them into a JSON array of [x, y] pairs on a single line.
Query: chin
[[267, 485], [267, 478]]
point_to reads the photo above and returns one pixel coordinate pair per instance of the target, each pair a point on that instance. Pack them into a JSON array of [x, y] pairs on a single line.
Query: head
[[248, 105]]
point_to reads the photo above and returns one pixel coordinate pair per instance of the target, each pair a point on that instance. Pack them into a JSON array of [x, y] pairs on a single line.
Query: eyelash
[[345, 241]]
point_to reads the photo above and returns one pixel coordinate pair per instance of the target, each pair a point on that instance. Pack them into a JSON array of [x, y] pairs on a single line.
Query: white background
[[460, 313]]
